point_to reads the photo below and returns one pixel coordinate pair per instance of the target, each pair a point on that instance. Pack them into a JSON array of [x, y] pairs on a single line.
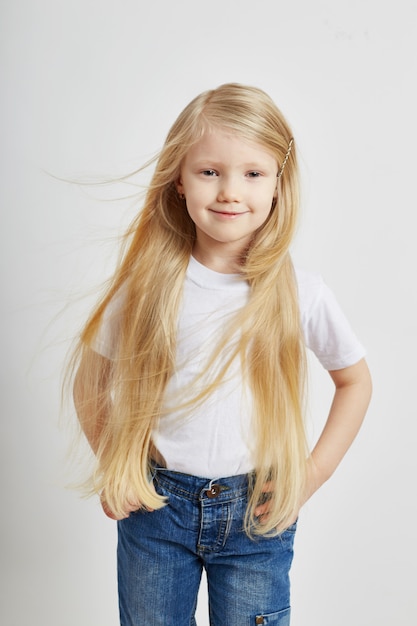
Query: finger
[[136, 506], [262, 509], [110, 513]]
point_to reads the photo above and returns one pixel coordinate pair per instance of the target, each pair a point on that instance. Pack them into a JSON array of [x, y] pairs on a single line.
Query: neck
[[218, 260]]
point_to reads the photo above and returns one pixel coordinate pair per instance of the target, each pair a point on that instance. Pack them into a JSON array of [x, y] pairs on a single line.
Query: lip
[[228, 214]]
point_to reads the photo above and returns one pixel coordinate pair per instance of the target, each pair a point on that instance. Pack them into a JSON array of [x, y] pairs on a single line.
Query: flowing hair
[[123, 396]]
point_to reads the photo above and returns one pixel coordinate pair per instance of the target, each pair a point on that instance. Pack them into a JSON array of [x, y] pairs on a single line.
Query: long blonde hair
[[151, 274]]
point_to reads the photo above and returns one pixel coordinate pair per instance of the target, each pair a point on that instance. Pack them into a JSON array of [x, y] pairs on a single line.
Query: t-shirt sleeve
[[327, 332]]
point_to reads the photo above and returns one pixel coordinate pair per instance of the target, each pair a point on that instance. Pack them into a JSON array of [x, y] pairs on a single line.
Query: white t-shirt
[[213, 439]]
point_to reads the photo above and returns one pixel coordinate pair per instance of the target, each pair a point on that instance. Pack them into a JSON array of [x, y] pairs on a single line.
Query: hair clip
[[287, 156]]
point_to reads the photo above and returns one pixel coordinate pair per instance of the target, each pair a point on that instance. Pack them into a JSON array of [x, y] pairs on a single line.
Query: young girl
[[190, 374]]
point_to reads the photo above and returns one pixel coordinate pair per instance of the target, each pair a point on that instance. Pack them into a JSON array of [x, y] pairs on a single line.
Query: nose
[[229, 190]]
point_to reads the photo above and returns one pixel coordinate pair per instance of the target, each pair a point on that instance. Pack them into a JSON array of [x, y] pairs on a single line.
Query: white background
[[89, 89]]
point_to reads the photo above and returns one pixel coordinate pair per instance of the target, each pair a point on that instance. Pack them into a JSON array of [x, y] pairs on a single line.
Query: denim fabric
[[161, 556]]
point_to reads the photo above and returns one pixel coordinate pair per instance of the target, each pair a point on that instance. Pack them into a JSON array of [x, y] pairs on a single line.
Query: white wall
[[90, 88]]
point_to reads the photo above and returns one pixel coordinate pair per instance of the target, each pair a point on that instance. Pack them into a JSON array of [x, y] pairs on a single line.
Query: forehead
[[223, 145]]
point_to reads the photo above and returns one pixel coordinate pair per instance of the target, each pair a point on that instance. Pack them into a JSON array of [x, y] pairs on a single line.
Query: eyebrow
[[252, 165]]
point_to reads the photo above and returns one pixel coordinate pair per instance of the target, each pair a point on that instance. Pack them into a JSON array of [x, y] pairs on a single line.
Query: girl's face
[[229, 185]]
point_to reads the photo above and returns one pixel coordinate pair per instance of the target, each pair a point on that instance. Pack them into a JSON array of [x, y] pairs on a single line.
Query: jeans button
[[213, 492], [259, 620]]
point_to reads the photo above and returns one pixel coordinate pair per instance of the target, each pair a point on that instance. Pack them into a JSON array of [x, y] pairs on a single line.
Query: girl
[[190, 374]]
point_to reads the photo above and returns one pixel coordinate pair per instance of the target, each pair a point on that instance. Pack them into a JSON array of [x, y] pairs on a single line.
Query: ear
[[179, 186]]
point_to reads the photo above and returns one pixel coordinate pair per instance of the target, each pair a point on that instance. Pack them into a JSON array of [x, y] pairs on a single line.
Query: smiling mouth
[[228, 213]]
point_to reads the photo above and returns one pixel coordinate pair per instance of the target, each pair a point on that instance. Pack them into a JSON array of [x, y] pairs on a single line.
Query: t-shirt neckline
[[210, 279]]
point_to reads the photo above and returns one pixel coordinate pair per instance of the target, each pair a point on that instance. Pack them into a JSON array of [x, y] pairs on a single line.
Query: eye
[[209, 173], [254, 174]]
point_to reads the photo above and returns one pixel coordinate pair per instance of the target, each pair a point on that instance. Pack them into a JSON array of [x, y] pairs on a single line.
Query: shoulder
[[311, 289]]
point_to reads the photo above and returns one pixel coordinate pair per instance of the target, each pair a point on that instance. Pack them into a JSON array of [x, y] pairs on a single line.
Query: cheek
[[193, 209], [265, 194], [267, 201], [198, 196], [266, 207]]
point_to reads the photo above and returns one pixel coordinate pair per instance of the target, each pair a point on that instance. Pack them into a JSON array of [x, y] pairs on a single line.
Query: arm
[[92, 414], [350, 402], [92, 401]]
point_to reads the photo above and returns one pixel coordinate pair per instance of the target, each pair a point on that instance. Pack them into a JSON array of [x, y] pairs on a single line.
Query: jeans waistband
[[198, 488]]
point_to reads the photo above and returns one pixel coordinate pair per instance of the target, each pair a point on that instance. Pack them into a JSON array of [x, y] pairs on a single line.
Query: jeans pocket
[[281, 618]]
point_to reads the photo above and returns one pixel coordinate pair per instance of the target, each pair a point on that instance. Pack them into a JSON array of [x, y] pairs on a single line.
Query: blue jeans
[[161, 555]]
